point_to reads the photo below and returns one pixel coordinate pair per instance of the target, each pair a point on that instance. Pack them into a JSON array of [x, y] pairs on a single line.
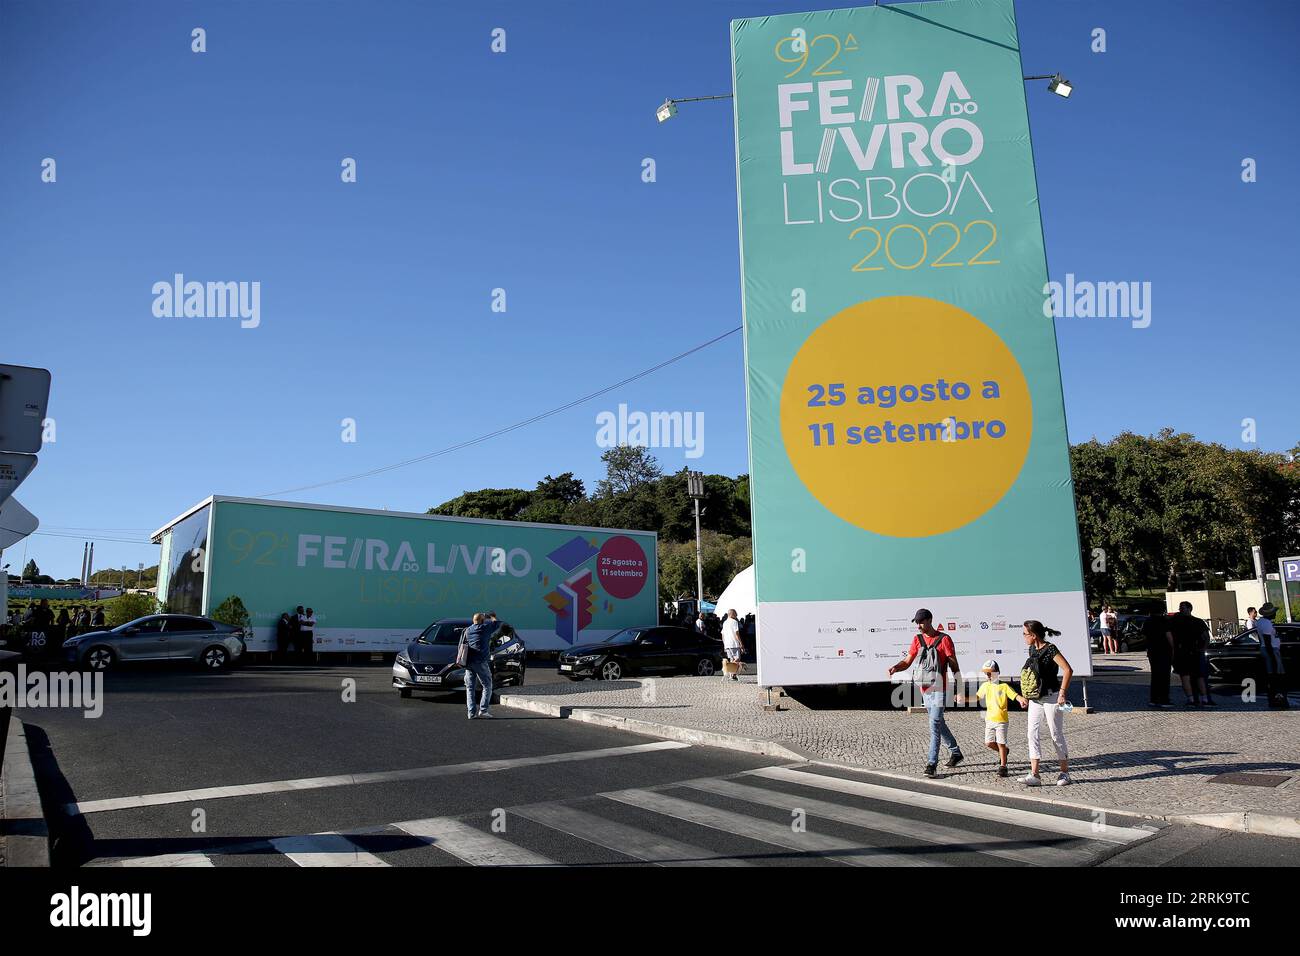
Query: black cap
[[922, 615]]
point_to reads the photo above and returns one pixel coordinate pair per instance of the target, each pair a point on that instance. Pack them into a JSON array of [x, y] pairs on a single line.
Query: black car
[[1239, 658], [643, 650], [429, 661]]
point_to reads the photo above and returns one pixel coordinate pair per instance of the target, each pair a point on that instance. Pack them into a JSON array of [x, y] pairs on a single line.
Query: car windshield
[[136, 623], [626, 636], [441, 634]]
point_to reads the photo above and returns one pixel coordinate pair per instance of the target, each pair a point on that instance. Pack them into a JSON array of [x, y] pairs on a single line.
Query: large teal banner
[[376, 579], [907, 430]]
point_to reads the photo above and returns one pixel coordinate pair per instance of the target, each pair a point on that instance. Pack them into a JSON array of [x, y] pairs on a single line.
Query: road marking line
[[357, 779], [471, 844], [324, 849], [639, 844], [969, 808], [1009, 848], [163, 859], [765, 831]]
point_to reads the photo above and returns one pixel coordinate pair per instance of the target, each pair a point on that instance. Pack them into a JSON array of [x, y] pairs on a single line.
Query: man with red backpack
[[937, 656]]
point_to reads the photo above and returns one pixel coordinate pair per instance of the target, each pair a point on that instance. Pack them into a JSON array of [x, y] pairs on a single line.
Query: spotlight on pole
[[1060, 86], [1056, 84], [666, 111]]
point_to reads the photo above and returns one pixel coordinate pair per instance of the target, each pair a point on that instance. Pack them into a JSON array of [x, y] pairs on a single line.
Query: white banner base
[[855, 642]]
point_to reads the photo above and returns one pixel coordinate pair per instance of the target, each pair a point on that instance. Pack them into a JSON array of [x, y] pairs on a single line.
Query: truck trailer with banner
[[375, 579], [906, 423]]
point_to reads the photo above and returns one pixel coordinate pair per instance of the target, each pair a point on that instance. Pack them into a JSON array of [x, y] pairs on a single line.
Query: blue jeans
[[938, 726], [478, 672]]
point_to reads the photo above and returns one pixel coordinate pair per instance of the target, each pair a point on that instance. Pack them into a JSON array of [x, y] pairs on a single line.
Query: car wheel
[[705, 667], [100, 658], [1123, 646], [214, 658], [611, 670], [404, 692]]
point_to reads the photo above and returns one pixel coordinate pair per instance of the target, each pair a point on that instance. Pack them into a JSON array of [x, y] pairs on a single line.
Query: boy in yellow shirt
[[996, 696]]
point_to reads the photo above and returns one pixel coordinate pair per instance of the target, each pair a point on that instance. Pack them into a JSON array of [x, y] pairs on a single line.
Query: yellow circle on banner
[[875, 423]]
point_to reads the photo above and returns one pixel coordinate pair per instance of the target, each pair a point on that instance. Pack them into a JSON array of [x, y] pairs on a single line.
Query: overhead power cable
[[508, 428]]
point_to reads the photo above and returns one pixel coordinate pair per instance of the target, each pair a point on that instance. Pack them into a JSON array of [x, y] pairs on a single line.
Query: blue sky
[[522, 171]]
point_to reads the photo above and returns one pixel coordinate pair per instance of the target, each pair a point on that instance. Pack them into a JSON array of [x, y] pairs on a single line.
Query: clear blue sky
[[522, 171]]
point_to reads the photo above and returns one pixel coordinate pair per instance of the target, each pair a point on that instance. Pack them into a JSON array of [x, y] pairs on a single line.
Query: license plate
[[428, 680], [566, 667]]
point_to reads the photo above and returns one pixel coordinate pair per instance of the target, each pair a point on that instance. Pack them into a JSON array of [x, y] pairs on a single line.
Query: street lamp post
[[695, 488]]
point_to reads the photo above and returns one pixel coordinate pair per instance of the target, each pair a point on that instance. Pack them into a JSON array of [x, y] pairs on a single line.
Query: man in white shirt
[[1270, 648], [307, 633], [731, 643]]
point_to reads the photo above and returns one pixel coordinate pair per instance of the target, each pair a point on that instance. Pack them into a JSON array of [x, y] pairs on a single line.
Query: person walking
[[995, 695], [937, 657], [700, 627], [1190, 636], [1160, 657], [1270, 649], [97, 619], [732, 646], [1044, 683], [477, 641]]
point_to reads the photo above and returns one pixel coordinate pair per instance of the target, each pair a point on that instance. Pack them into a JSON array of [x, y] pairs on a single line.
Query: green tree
[[128, 607], [628, 468], [499, 503], [553, 498], [30, 570], [232, 611]]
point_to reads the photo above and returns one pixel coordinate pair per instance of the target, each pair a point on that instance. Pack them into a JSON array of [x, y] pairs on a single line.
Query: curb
[[1243, 822], [762, 748], [22, 822]]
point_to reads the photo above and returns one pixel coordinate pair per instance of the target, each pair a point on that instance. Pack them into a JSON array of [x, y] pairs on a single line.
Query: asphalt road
[[154, 781]]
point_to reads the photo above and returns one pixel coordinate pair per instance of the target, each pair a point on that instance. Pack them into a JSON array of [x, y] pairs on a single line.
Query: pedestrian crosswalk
[[778, 815]]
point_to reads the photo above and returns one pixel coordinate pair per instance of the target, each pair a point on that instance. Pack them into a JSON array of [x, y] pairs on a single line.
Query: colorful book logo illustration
[[571, 601]]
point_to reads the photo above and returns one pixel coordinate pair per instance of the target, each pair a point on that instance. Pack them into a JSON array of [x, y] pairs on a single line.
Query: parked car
[[1239, 658], [429, 661], [1131, 637], [159, 637], [643, 650]]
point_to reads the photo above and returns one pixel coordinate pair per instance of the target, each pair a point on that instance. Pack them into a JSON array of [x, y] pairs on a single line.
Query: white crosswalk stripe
[[765, 831], [621, 838], [167, 859], [325, 849], [922, 831], [471, 844], [1083, 829], [626, 822]]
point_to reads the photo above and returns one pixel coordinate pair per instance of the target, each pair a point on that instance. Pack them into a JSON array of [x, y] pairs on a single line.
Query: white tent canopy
[[739, 594]]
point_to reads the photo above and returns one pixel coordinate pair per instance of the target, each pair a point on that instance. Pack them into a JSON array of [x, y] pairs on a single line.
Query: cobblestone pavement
[[1122, 757]]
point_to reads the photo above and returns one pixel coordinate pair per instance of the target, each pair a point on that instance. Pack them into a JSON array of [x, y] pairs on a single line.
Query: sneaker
[[1063, 780], [955, 759], [484, 716], [1002, 771], [929, 770], [1029, 780], [473, 716]]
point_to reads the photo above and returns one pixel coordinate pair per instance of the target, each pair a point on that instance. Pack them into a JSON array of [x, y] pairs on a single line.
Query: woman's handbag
[[462, 653]]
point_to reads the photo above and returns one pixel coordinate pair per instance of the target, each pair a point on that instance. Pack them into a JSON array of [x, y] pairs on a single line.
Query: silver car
[[159, 637]]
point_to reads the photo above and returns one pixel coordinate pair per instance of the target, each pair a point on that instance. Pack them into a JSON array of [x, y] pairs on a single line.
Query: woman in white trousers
[[1045, 680]]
